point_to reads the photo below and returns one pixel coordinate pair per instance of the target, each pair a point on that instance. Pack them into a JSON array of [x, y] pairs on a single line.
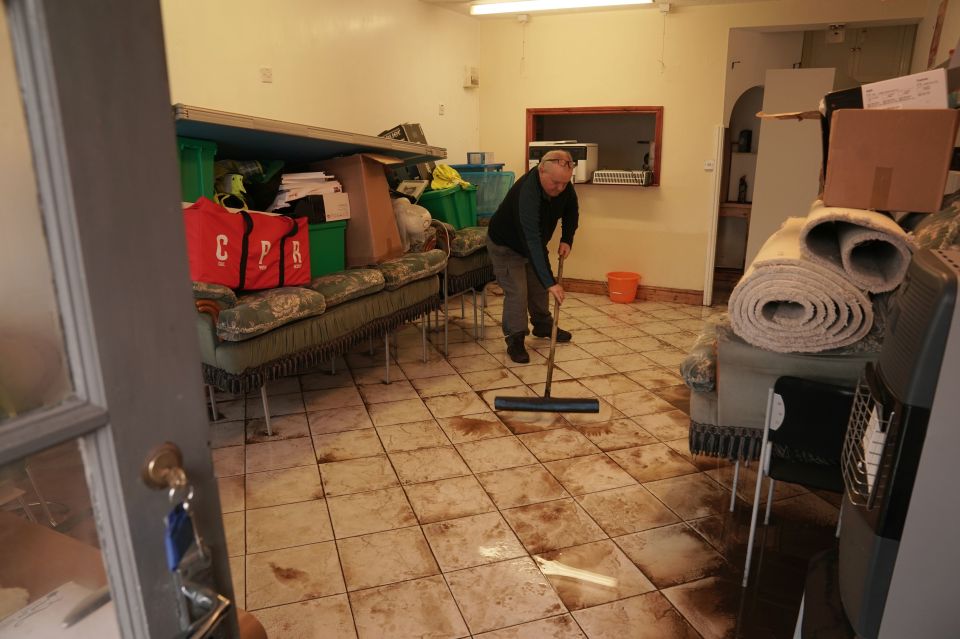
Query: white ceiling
[[463, 6]]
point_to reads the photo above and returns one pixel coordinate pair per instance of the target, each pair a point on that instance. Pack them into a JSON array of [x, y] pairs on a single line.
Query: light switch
[[709, 165]]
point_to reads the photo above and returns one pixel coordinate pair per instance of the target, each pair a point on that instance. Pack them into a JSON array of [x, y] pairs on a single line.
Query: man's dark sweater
[[527, 219]]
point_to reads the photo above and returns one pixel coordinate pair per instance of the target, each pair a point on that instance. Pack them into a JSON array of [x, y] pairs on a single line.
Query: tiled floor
[[413, 510]]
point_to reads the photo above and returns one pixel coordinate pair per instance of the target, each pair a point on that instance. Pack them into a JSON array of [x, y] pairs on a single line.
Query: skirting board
[[644, 293]]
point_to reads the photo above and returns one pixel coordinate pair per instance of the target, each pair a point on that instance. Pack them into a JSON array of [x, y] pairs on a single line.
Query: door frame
[[94, 87]]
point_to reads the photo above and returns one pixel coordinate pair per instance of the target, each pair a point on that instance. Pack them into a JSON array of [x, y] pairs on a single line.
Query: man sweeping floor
[[517, 245]]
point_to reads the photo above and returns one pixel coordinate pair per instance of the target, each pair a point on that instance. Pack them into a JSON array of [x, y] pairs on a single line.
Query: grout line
[[657, 367]]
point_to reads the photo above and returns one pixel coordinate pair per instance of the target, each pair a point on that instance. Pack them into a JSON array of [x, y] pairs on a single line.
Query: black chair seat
[[810, 475]]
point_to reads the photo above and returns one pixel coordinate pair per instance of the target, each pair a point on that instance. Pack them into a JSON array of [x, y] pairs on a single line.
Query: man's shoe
[[515, 349], [562, 335]]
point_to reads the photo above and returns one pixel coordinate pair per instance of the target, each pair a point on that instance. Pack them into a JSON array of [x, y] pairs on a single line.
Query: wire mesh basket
[[867, 466], [617, 176]]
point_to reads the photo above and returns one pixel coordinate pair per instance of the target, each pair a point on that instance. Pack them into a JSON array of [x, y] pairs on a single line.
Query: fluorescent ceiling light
[[526, 6]]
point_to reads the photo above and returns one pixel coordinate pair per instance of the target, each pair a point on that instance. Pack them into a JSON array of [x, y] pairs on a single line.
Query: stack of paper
[[299, 185]]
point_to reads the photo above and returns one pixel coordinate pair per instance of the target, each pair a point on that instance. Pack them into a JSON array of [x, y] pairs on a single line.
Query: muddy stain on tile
[[287, 574]]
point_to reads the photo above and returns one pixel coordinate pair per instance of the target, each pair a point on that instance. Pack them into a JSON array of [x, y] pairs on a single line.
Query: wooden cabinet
[[627, 137], [865, 55], [733, 226]]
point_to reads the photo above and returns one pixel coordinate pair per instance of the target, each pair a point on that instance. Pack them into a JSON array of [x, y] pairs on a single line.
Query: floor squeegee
[[548, 404]]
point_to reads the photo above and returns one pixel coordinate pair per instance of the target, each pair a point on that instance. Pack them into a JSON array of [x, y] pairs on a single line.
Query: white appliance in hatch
[[585, 154]]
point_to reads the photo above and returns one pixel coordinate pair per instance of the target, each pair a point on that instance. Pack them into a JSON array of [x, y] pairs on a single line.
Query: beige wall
[[611, 58], [755, 52], [948, 36], [361, 66]]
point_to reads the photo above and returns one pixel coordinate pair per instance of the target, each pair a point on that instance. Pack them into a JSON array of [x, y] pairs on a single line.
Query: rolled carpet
[[789, 304], [869, 247]]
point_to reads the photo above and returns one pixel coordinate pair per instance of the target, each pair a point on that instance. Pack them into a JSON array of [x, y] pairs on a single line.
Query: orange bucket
[[622, 286]]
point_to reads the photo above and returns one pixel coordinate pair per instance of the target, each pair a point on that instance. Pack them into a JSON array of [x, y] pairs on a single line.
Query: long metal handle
[[553, 331]]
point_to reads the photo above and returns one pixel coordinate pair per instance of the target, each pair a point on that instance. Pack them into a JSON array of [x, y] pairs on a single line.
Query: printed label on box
[[927, 90], [336, 206]]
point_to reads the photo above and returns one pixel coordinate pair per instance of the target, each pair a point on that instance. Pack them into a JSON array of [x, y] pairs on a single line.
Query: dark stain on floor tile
[[678, 396], [711, 606], [287, 574], [673, 555], [473, 427], [522, 424]]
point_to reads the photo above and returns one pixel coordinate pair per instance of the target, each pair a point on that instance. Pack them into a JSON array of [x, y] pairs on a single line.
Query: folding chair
[[802, 441]]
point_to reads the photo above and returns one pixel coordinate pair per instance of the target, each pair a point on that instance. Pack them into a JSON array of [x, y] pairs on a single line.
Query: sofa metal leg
[[333, 365], [213, 403], [25, 507], [476, 330], [266, 409], [370, 341], [736, 477], [423, 334], [483, 309], [44, 504], [766, 517], [446, 316], [386, 349]]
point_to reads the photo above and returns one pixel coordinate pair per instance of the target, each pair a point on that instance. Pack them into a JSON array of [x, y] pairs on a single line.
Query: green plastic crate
[[457, 206], [327, 248], [196, 168]]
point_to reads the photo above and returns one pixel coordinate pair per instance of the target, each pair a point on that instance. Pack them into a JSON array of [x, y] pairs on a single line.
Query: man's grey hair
[[554, 154]]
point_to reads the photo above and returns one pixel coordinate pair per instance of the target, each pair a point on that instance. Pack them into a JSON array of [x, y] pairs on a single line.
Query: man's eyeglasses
[[570, 164]]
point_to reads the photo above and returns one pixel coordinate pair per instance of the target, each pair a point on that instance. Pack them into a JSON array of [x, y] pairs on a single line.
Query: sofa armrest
[[207, 337], [746, 372], [222, 295], [699, 369]]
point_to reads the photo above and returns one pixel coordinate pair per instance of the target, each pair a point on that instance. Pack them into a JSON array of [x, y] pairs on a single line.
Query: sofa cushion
[[257, 313], [223, 296], [468, 240], [411, 267], [343, 286], [940, 230], [296, 346]]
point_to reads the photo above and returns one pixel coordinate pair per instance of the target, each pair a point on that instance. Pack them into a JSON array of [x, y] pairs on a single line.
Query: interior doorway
[[741, 141]]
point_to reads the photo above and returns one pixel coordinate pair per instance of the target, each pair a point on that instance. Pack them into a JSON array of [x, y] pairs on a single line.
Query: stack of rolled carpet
[[807, 290]]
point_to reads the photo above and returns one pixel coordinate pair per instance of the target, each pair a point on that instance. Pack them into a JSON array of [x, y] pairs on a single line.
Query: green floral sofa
[[251, 339]]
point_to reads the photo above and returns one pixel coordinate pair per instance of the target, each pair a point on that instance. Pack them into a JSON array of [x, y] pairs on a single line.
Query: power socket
[[266, 75]]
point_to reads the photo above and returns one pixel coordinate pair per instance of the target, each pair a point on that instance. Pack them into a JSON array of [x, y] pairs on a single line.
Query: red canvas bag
[[246, 250], [216, 242], [278, 252]]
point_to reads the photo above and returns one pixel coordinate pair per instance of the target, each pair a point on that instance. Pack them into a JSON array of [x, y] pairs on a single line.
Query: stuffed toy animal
[[412, 222]]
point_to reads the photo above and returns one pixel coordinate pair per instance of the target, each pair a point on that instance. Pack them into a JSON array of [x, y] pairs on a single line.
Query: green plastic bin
[[327, 248], [196, 168], [457, 206]]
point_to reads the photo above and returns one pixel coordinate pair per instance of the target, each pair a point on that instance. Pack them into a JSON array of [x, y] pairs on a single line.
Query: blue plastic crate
[[492, 187], [476, 168]]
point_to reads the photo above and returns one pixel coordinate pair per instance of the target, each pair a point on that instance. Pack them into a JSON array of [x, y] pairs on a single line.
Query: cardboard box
[[410, 132], [329, 207], [889, 160], [480, 157], [372, 235]]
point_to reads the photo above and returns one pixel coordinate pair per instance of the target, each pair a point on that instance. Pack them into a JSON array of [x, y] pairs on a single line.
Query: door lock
[[163, 467]]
